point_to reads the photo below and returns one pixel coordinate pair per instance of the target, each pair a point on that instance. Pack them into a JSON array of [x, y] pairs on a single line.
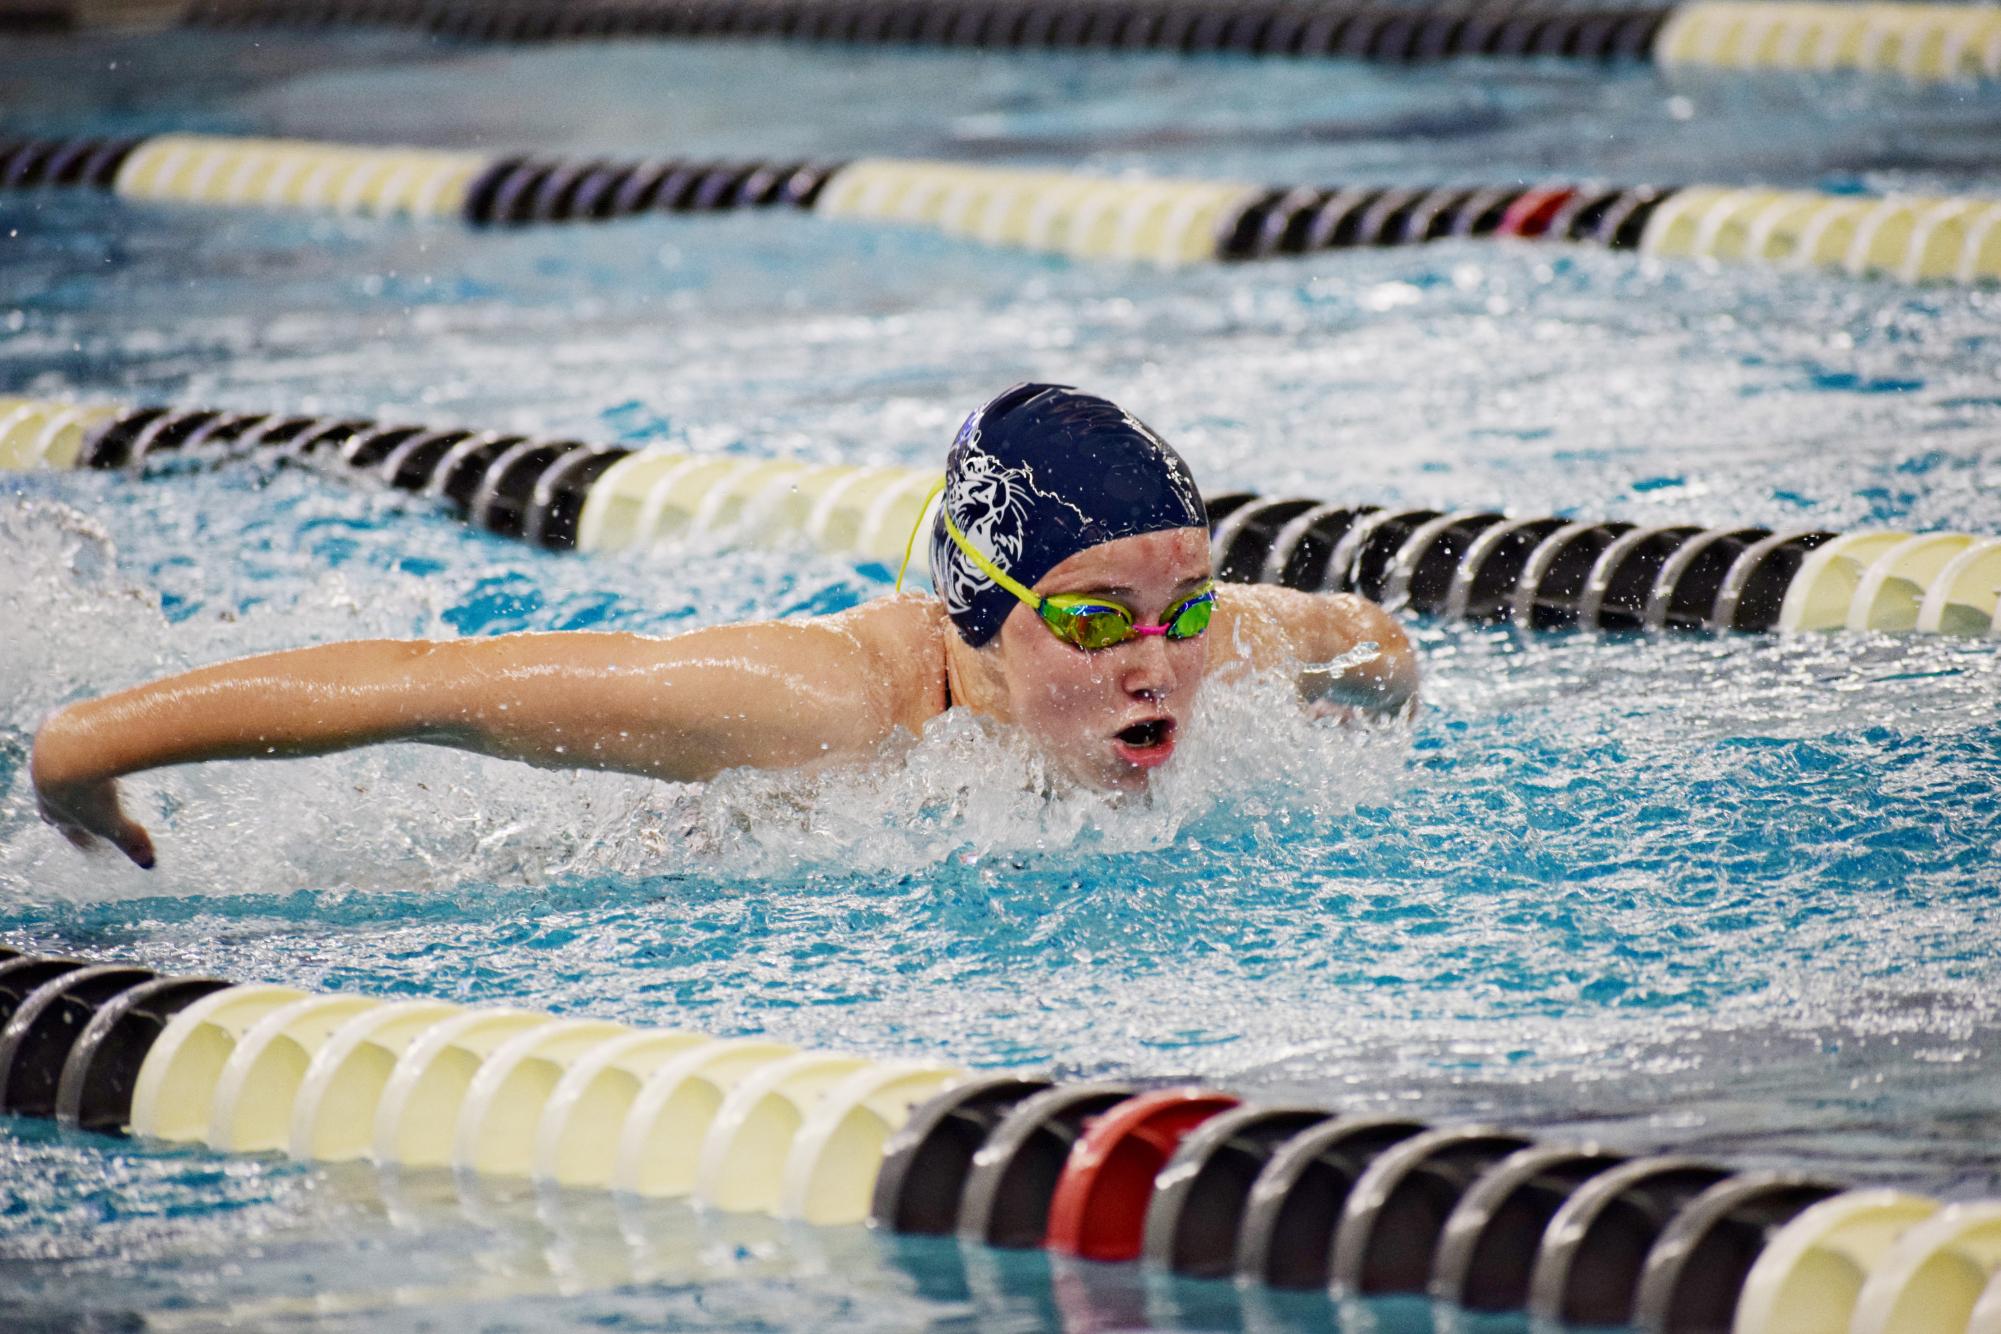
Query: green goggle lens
[[1193, 617], [1089, 625], [1092, 624]]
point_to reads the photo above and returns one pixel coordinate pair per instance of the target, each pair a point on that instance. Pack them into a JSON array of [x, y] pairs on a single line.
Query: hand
[[85, 809]]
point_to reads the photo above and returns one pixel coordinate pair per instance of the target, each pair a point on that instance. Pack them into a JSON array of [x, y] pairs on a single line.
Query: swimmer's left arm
[[1347, 650]]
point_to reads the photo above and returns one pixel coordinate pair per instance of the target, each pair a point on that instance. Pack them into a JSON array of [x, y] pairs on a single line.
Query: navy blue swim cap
[[1039, 474]]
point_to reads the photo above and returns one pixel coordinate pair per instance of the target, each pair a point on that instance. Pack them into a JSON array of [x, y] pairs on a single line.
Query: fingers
[[127, 835], [136, 843], [108, 818]]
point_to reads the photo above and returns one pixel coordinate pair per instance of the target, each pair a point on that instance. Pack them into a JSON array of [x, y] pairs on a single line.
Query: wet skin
[[773, 694]]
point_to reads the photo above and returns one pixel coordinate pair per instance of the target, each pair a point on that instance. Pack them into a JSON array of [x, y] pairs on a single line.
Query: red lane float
[[1531, 214], [1099, 1210]]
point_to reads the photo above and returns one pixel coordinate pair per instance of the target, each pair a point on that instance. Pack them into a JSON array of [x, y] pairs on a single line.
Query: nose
[[1148, 670]]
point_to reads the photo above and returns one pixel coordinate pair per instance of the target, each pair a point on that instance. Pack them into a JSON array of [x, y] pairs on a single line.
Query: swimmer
[[1075, 599]]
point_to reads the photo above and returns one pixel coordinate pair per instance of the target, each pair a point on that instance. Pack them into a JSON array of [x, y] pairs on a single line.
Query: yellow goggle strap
[[985, 566], [911, 545], [988, 568]]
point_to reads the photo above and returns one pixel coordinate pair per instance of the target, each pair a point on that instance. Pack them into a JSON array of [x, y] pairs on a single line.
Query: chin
[[1121, 775], [1123, 780]]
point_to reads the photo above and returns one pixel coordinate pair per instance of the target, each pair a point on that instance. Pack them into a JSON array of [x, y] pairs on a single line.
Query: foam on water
[[967, 790]]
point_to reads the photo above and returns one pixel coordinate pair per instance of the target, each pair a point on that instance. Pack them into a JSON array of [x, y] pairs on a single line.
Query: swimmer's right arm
[[774, 695]]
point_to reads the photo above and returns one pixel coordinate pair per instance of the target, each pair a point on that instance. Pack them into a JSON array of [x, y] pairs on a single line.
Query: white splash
[[969, 789]]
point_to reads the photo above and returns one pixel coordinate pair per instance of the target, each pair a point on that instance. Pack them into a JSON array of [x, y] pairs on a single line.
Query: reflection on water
[[353, 1246]]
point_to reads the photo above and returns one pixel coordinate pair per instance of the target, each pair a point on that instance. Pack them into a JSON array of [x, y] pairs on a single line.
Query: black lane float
[[1917, 42], [1383, 33]]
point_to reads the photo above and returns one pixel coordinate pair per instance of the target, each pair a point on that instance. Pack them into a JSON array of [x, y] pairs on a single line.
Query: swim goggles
[[1080, 619]]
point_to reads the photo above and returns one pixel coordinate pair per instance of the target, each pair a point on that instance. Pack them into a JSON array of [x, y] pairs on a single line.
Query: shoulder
[[901, 639], [1346, 649], [893, 624], [1267, 625]]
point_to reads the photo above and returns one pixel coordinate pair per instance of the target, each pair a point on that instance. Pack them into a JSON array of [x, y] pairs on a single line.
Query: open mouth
[[1148, 735]]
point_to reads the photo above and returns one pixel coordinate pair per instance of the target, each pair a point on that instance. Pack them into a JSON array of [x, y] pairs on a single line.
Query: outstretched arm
[[773, 694]]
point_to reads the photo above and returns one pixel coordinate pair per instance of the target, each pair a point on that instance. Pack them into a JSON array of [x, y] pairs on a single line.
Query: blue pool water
[[1736, 895]]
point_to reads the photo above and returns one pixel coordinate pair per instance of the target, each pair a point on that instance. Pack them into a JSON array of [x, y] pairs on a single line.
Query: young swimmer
[[1075, 600]]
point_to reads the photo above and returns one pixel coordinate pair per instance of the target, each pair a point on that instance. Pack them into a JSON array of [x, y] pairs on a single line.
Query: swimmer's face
[[1113, 716]]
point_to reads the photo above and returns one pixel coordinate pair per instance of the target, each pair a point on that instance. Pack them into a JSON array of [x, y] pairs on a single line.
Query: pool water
[[1735, 895]]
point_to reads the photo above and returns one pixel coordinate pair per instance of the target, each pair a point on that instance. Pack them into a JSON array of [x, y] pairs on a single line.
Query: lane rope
[[1195, 1181], [1121, 218], [1540, 573]]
